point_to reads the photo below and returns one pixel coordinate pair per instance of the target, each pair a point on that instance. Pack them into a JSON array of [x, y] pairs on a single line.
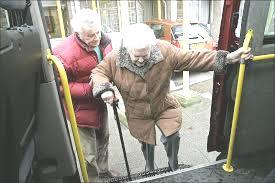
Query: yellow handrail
[[69, 104], [60, 18], [159, 9], [227, 167], [94, 5], [263, 57]]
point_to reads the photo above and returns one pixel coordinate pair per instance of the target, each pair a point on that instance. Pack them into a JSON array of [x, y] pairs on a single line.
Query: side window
[[158, 30], [4, 20], [269, 34], [52, 21], [238, 29], [269, 26], [51, 25]]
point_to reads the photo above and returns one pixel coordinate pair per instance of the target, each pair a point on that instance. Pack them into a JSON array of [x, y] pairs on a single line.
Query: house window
[[158, 30], [132, 12], [193, 5], [109, 14], [52, 20], [179, 10], [135, 10], [194, 14], [140, 12]]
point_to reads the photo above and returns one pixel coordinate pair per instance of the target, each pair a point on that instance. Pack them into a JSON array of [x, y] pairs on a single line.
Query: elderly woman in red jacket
[[80, 53]]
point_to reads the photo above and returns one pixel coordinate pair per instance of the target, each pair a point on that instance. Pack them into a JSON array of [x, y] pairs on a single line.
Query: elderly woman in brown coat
[[141, 70]]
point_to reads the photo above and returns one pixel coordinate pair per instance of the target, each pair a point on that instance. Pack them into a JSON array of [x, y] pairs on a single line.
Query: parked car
[[172, 31], [106, 29]]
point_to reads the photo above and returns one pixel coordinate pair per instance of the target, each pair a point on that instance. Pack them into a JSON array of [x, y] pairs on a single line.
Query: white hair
[[85, 19], [138, 36]]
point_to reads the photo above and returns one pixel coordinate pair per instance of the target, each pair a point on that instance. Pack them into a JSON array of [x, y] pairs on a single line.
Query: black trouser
[[171, 145]]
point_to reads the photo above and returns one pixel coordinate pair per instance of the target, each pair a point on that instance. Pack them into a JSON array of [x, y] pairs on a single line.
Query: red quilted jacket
[[78, 62]]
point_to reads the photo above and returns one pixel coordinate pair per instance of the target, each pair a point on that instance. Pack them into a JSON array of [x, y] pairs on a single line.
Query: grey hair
[[85, 19], [138, 36]]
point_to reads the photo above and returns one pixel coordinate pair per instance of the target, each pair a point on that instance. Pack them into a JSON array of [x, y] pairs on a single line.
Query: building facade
[[117, 14]]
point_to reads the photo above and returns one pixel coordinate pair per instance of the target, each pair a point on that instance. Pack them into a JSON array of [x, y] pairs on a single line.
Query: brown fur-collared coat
[[145, 90]]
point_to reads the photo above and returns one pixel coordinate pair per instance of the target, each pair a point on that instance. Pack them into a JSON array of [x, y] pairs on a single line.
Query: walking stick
[[115, 104]]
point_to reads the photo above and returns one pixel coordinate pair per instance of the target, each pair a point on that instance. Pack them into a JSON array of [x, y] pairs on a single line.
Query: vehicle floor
[[251, 169]]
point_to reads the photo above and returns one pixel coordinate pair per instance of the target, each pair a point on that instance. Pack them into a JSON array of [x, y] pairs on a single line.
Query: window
[[193, 5], [4, 21], [135, 11], [179, 10], [132, 12], [269, 34], [238, 29], [158, 30], [52, 20], [109, 14], [140, 12], [269, 26], [11, 18]]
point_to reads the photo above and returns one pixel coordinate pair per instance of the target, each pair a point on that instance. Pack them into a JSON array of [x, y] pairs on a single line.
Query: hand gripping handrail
[[227, 167], [69, 104]]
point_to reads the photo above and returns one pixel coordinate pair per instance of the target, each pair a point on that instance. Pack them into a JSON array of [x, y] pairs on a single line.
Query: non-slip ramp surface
[[252, 169]]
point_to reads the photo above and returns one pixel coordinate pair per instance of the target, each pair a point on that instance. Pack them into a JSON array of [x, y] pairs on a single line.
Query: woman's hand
[[108, 97], [235, 56]]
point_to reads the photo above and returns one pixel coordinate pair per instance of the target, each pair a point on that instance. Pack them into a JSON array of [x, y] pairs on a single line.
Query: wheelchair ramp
[[250, 169], [148, 174]]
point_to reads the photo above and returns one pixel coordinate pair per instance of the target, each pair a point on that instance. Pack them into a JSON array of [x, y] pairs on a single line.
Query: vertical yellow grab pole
[[60, 18], [98, 7], [69, 104], [94, 5], [159, 9], [227, 167]]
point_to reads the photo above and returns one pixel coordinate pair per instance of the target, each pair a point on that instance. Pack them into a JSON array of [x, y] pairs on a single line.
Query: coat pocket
[[171, 102]]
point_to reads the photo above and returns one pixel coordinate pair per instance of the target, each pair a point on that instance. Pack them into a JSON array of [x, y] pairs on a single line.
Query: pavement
[[194, 133]]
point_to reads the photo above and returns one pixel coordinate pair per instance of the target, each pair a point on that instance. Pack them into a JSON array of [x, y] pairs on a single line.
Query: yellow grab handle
[[60, 18], [69, 104], [227, 167], [247, 40], [263, 57]]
